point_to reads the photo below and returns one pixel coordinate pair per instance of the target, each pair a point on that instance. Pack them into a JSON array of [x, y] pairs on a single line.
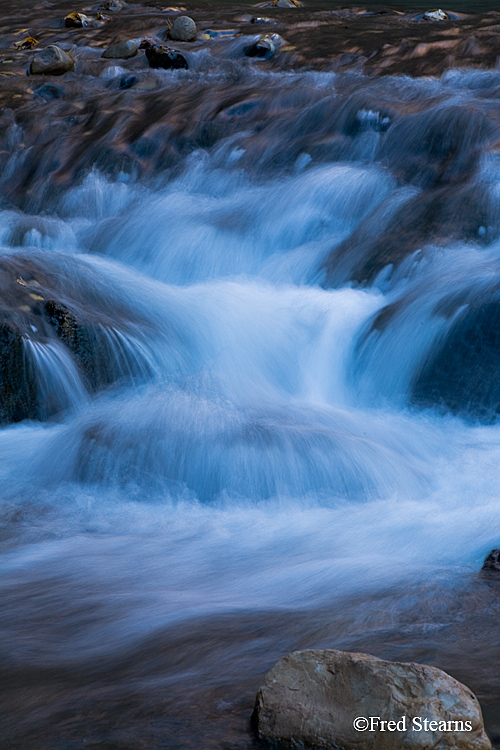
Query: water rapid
[[274, 426]]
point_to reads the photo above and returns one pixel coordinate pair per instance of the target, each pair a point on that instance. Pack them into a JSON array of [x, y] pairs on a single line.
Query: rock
[[436, 14], [127, 82], [492, 562], [40, 308], [77, 20], [183, 29], [17, 391], [286, 4], [28, 43], [50, 91], [52, 61], [461, 371], [264, 48], [121, 50], [164, 57], [311, 698], [111, 5]]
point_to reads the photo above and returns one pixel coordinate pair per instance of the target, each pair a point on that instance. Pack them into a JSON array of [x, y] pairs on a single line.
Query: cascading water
[[250, 470]]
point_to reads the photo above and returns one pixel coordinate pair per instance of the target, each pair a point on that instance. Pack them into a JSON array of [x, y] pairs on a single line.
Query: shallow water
[[251, 470]]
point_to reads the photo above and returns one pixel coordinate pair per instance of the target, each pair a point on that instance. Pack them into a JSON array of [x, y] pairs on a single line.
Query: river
[[289, 436]]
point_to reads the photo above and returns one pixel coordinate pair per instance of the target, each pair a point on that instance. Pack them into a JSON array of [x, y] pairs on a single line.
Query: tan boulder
[[314, 697]]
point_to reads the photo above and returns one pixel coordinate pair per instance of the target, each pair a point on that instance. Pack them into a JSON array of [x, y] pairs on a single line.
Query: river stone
[[121, 50], [52, 61], [164, 57], [183, 29], [311, 698]]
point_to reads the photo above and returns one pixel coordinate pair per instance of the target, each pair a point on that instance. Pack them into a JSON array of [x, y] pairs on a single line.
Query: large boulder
[[313, 698]]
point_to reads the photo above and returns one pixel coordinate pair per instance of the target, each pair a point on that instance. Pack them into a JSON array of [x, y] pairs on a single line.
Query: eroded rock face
[[313, 697]]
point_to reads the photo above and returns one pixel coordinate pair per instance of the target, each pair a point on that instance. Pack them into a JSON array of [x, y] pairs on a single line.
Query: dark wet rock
[[311, 698], [127, 82], [492, 563], [461, 374], [17, 391], [52, 61], [121, 50], [264, 48], [50, 91], [38, 307], [164, 57], [183, 29]]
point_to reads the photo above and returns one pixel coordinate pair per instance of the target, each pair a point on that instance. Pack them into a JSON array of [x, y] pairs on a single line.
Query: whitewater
[[256, 472]]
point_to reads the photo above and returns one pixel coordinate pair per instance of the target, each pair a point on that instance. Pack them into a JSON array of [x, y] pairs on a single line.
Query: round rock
[[183, 29], [322, 698], [52, 61], [121, 50]]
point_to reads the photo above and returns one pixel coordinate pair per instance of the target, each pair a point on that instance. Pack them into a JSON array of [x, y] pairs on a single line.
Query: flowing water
[[262, 464]]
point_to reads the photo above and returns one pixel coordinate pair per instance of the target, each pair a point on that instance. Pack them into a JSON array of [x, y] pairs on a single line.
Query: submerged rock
[[121, 50], [164, 57], [50, 91], [313, 697], [52, 61], [264, 48], [183, 29]]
